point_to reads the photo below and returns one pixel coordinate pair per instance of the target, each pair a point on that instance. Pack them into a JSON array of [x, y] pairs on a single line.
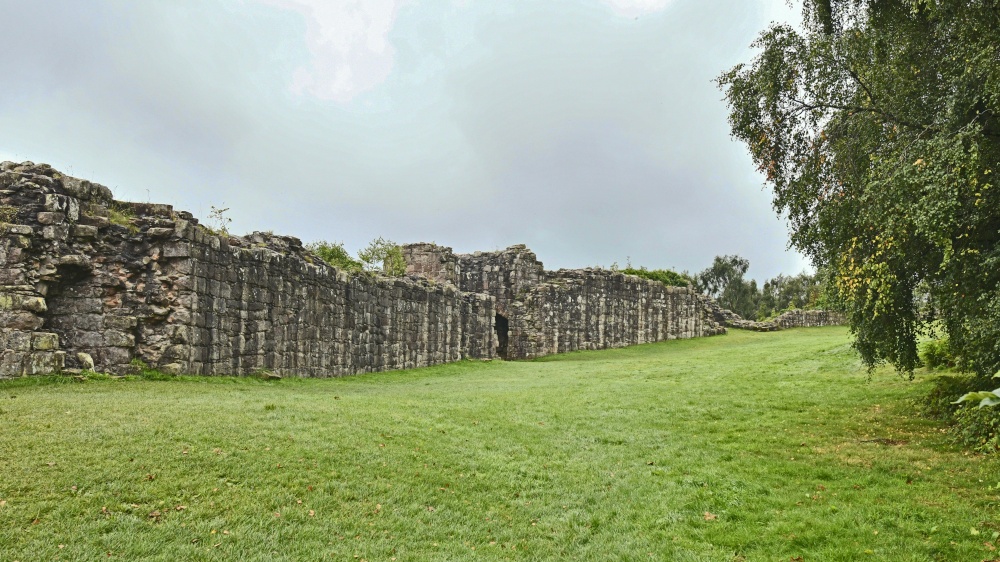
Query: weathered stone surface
[[47, 217], [540, 312], [178, 297], [42, 341], [159, 232], [55, 232], [83, 231], [85, 361]]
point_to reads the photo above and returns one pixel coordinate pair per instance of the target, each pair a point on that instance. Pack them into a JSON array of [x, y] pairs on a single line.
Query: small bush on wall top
[[383, 256], [334, 254], [666, 276], [380, 256]]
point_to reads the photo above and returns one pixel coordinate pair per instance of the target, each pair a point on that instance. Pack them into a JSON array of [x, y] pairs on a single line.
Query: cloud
[[587, 135], [634, 8], [349, 44]]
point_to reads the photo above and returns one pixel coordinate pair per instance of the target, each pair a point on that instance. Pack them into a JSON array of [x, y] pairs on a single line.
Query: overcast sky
[[589, 130]]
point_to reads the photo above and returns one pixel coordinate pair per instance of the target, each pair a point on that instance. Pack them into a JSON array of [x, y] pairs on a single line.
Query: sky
[[590, 130]]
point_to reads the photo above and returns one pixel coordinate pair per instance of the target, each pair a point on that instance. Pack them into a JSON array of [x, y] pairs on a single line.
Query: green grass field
[[748, 446]]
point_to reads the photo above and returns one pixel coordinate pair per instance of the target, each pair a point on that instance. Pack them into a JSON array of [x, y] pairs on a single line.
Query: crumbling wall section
[[506, 275], [428, 260], [256, 308], [88, 282], [810, 319], [787, 319], [77, 289], [599, 309]]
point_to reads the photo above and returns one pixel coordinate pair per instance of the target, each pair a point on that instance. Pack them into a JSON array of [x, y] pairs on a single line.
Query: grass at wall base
[[749, 446]]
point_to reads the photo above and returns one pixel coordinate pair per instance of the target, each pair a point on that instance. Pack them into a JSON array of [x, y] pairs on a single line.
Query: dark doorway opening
[[501, 326]]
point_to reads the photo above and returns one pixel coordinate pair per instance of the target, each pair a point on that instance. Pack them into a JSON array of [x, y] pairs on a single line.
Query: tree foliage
[[380, 256], [877, 127], [724, 282], [334, 254], [384, 256]]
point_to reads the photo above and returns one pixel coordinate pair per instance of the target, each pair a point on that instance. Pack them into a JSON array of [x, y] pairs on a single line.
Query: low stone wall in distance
[[787, 319], [810, 319]]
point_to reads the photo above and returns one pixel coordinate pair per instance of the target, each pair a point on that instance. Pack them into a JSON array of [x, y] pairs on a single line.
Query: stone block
[[44, 341], [83, 189], [114, 338], [44, 362], [55, 232], [120, 322], [19, 229], [21, 297], [83, 231], [96, 221], [85, 361], [159, 232], [49, 217], [15, 340], [176, 250], [172, 368], [18, 320]]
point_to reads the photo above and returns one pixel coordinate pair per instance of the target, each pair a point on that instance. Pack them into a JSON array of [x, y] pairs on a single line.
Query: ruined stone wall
[[254, 308], [437, 263], [87, 282], [541, 312], [810, 319], [788, 319], [599, 309], [505, 275]]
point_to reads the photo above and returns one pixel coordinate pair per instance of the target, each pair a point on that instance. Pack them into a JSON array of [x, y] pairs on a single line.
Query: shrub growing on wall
[[666, 276], [334, 254], [383, 256]]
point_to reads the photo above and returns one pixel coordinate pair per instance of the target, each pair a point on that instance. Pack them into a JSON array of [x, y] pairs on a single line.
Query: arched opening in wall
[[502, 327]]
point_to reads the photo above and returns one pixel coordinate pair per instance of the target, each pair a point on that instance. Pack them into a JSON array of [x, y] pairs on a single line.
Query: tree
[[789, 291], [878, 128], [380, 256], [724, 282], [384, 256]]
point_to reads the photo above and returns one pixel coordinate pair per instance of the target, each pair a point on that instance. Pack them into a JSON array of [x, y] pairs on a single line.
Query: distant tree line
[[725, 281]]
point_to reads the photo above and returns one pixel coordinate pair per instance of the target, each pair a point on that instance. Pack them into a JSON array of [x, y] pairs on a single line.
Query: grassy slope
[[746, 446]]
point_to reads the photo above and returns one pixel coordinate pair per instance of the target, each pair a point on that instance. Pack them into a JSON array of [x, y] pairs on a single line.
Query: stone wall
[[810, 319], [600, 309], [787, 319], [87, 282], [505, 275], [541, 312]]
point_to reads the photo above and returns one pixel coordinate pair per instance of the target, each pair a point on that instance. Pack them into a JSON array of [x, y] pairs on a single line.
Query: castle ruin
[[87, 282]]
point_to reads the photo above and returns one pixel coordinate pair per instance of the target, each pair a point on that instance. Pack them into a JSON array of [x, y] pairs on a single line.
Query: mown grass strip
[[748, 446]]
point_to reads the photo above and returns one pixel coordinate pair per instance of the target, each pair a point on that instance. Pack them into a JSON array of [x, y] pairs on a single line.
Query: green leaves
[[383, 256], [877, 124], [334, 254], [985, 398]]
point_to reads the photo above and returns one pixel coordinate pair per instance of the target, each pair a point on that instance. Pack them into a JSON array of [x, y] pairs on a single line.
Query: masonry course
[[87, 282]]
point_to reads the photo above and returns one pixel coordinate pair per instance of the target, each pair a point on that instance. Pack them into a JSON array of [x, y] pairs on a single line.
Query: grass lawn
[[749, 446]]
